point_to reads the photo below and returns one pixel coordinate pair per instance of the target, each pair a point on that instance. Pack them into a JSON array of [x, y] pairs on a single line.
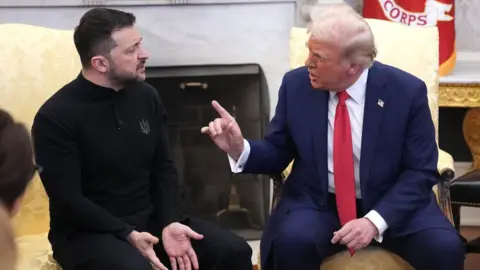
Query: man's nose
[[309, 63], [143, 54]]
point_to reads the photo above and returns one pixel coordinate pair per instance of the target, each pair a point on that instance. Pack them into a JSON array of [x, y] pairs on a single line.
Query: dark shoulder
[[60, 105], [402, 81], [296, 74], [147, 89], [296, 79], [149, 92], [152, 96]]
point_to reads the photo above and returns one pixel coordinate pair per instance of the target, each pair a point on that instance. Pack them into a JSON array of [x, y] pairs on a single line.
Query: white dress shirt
[[355, 105]]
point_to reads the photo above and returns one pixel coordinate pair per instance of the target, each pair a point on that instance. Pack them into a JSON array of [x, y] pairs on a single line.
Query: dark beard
[[122, 80]]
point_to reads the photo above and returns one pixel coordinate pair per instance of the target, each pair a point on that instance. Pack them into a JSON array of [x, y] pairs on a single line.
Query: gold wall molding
[[465, 95]]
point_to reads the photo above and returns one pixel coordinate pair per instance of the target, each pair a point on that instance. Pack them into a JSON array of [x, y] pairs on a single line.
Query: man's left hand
[[356, 234], [176, 242]]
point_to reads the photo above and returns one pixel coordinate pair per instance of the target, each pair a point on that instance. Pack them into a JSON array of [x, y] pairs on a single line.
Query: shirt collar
[[91, 90], [357, 90]]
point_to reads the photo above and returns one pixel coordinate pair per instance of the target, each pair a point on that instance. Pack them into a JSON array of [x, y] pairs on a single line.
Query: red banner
[[421, 13]]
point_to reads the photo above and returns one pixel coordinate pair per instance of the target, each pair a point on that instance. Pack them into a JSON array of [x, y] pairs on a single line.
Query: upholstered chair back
[[34, 63]]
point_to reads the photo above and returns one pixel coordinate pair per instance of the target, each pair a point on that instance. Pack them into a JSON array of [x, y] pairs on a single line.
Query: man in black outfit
[[107, 167]]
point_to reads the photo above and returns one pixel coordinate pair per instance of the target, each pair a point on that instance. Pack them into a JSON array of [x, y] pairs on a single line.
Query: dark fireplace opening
[[450, 133], [237, 202]]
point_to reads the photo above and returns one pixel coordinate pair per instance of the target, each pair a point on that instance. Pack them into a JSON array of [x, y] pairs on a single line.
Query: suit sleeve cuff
[[379, 222], [237, 166]]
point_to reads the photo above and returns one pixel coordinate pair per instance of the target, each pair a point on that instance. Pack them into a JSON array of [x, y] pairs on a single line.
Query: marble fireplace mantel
[[187, 32], [63, 3]]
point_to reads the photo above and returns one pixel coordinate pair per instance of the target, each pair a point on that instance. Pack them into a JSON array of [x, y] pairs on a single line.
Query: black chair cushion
[[465, 190]]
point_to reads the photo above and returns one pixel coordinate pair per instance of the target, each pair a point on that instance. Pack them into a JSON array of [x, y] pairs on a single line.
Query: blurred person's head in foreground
[[16, 162]]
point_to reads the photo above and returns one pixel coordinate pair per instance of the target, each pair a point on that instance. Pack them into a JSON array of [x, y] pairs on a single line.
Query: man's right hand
[[144, 242], [225, 132]]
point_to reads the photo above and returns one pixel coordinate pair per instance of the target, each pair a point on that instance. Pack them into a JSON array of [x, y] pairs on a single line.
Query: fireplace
[[238, 202], [450, 132]]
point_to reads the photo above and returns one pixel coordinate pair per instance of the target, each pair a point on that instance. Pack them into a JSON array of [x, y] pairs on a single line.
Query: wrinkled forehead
[[126, 37], [325, 48]]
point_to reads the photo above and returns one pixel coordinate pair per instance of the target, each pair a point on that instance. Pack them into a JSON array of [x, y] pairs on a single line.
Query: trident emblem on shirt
[[144, 126]]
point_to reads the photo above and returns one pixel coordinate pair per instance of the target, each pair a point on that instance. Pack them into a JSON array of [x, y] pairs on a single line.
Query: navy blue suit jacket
[[399, 154]]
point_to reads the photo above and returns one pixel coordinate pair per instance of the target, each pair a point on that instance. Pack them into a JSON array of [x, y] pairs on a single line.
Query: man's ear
[[353, 69], [100, 63]]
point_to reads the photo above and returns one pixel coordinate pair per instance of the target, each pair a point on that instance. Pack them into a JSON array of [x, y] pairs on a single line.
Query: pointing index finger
[[221, 111]]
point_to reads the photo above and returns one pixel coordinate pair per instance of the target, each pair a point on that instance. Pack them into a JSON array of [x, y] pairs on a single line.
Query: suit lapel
[[319, 113], [376, 100]]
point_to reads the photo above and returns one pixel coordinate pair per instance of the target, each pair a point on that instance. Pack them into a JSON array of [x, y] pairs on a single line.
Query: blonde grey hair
[[343, 26]]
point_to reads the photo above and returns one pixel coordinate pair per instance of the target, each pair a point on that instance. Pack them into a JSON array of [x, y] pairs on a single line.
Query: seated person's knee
[[136, 262], [296, 247], [234, 250], [449, 246], [289, 241], [446, 248]]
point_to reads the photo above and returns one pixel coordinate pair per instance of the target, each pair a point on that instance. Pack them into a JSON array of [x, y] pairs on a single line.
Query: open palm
[[177, 245], [144, 242]]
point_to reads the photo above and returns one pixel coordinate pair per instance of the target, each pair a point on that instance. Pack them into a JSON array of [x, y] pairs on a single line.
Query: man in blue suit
[[365, 156]]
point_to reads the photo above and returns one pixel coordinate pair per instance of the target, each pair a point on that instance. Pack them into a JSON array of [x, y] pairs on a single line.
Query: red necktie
[[344, 176]]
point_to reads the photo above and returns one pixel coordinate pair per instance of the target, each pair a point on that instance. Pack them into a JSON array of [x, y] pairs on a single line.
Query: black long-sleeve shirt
[[106, 159]]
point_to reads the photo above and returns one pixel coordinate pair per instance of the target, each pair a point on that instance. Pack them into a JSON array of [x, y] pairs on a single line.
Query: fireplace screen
[[238, 202]]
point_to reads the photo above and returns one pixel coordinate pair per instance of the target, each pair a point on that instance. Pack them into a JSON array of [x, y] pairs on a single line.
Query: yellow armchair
[[414, 50], [36, 62]]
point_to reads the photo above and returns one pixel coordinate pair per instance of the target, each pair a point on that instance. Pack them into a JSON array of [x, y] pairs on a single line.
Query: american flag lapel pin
[[380, 103]]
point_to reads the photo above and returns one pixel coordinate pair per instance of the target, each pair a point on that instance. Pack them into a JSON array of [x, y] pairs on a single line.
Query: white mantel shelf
[[76, 3], [188, 33], [466, 71]]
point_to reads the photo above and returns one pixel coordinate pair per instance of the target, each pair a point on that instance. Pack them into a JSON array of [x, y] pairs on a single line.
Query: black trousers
[[218, 250]]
